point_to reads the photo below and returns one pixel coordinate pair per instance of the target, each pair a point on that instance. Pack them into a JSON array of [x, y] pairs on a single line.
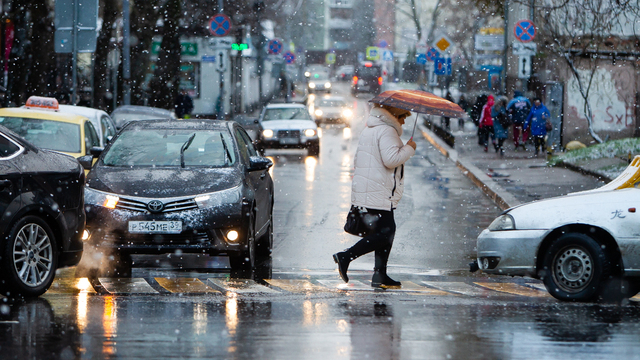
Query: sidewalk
[[517, 177]]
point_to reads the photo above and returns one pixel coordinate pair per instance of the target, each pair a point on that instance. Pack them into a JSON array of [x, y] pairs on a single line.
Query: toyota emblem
[[155, 206]]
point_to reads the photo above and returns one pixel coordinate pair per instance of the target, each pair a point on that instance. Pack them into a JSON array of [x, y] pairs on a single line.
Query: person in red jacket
[[486, 124]]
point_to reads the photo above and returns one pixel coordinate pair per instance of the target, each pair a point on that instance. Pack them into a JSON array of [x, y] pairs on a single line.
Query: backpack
[[504, 119]]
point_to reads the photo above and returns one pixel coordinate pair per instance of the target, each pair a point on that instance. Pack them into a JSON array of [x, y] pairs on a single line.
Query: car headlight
[[347, 113], [99, 198], [268, 133], [312, 85], [327, 85], [307, 74], [503, 222], [229, 196], [318, 112], [309, 133]]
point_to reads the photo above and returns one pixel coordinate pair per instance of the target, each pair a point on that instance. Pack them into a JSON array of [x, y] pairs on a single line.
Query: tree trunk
[[144, 16], [166, 79], [110, 12]]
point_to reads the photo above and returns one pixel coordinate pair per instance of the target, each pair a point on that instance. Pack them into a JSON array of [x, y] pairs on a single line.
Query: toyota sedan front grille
[[171, 206]]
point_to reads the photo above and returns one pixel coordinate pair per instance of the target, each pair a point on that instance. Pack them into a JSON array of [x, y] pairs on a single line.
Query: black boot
[[380, 279], [342, 259]]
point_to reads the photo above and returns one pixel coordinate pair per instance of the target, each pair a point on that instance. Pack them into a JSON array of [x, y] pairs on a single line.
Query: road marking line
[[185, 285], [458, 288], [71, 285], [127, 286], [295, 286], [242, 286], [514, 289], [408, 286], [353, 285]]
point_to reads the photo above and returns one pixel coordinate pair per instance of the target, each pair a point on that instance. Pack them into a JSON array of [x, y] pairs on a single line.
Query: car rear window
[[47, 134], [161, 147], [297, 113], [368, 71]]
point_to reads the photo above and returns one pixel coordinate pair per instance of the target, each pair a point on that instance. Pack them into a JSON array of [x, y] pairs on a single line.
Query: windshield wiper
[[294, 115], [227, 155], [184, 147]]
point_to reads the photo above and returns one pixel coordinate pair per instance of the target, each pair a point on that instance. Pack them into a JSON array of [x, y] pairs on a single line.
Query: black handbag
[[359, 222]]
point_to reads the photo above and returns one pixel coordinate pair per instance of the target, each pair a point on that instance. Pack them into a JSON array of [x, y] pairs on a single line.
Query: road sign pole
[[126, 54], [221, 107], [74, 40]]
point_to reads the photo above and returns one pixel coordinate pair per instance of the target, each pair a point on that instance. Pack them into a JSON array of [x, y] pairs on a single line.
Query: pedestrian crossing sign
[[373, 53]]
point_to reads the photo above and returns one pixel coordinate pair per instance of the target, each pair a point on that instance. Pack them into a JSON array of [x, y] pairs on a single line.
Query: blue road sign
[[275, 47], [289, 57], [432, 54], [220, 25], [383, 44], [442, 66], [421, 59], [524, 30], [387, 55]]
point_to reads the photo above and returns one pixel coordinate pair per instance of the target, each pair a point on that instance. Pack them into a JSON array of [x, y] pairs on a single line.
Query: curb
[[497, 193], [584, 171]]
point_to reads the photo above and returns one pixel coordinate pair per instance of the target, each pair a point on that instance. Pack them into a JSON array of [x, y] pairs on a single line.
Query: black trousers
[[379, 239]]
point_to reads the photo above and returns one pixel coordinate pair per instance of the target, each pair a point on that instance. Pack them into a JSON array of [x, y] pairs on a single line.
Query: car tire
[[576, 268], [243, 262], [116, 265], [314, 149], [264, 245], [31, 275]]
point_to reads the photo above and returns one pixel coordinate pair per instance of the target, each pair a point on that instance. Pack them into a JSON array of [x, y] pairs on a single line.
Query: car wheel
[[116, 265], [243, 262], [314, 149], [29, 258], [264, 245], [575, 268]]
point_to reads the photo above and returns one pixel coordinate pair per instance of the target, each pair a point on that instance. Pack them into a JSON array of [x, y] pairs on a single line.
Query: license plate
[[289, 141], [155, 227]]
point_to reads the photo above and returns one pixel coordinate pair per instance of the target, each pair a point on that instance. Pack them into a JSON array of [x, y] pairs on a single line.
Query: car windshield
[[331, 103], [47, 134], [123, 118], [296, 113], [162, 147]]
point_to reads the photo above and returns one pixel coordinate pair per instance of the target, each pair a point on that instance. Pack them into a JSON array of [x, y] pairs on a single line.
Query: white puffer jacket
[[379, 163]]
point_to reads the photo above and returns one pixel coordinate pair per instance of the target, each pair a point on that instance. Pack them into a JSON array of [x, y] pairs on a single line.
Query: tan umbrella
[[420, 102]]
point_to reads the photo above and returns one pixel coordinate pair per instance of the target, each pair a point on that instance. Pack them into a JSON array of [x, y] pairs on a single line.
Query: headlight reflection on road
[[346, 133], [313, 314], [231, 307], [110, 325], [310, 163], [199, 319], [83, 285]]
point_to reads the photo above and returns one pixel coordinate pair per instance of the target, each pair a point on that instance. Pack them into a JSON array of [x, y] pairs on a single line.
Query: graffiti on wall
[[611, 97]]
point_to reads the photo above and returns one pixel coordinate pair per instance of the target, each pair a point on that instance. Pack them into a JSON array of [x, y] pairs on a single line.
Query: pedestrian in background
[[536, 123], [476, 113], [378, 184], [501, 123], [446, 121], [466, 106], [184, 105], [486, 124], [518, 109]]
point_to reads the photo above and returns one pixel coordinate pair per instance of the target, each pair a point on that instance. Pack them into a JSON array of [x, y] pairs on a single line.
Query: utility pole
[[126, 54], [221, 92], [74, 61], [506, 47]]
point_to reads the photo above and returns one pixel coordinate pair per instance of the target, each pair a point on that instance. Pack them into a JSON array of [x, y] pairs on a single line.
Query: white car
[[584, 246], [100, 120], [288, 126]]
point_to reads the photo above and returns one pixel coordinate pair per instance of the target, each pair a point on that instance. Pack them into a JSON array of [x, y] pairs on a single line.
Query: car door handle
[[263, 175], [5, 183]]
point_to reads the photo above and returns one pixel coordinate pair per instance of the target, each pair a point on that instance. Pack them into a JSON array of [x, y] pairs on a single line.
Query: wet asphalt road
[[302, 310]]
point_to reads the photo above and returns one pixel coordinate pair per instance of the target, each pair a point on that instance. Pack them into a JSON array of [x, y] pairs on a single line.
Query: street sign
[[525, 49], [330, 58], [387, 55], [421, 59], [442, 66], [383, 44], [274, 47], [489, 42], [220, 25], [289, 57], [432, 54], [373, 53], [186, 48], [220, 43], [221, 60], [524, 30], [442, 43], [87, 26], [433, 78], [208, 58], [524, 67]]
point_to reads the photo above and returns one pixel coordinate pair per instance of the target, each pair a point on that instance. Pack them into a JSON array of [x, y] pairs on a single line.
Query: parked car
[[41, 123], [43, 218], [101, 121], [584, 246], [332, 109], [367, 78], [126, 113], [345, 72], [288, 126], [193, 186]]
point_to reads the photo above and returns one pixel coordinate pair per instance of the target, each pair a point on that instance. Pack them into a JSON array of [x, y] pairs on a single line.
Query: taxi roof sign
[[42, 103]]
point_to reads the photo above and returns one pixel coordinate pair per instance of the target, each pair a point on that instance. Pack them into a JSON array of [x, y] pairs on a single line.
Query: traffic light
[[239, 47]]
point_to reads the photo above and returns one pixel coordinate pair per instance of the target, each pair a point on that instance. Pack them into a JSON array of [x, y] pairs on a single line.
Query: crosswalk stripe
[[71, 285], [295, 286], [408, 286], [354, 285], [185, 285], [127, 286], [514, 289], [241, 286], [458, 288]]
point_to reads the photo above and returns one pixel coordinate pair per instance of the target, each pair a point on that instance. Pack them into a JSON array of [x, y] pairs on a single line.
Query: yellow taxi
[[41, 123]]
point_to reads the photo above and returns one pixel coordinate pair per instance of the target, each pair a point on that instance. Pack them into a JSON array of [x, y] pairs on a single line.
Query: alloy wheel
[[32, 255]]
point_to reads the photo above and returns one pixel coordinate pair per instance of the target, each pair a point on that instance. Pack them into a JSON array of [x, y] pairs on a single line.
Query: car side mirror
[[86, 161], [256, 121], [96, 151], [259, 163]]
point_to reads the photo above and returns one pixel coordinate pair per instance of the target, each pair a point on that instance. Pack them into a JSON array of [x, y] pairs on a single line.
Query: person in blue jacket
[[536, 123], [501, 123]]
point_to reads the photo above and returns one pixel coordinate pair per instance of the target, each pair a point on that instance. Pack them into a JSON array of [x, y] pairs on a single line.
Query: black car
[[189, 186], [43, 219], [367, 78]]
